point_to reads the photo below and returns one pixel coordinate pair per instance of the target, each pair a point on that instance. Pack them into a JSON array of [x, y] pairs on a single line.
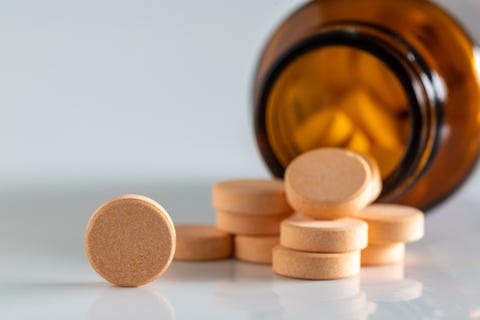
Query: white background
[[117, 90], [129, 89]]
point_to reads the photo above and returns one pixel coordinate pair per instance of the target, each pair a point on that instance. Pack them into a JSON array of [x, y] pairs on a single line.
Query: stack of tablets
[[390, 227], [329, 185], [252, 210], [331, 191], [316, 249]]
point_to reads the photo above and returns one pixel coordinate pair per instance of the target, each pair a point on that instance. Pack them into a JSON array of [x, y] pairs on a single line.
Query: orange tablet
[[379, 254], [390, 223], [315, 266], [255, 249], [196, 242], [325, 236], [130, 240], [328, 183], [255, 196]]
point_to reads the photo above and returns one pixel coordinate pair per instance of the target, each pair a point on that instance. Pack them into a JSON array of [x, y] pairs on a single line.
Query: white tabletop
[[44, 273]]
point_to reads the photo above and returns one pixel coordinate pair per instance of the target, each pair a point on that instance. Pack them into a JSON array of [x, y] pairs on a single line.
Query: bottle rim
[[421, 85]]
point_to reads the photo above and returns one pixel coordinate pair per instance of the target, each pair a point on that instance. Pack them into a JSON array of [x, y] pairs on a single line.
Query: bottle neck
[[421, 86]]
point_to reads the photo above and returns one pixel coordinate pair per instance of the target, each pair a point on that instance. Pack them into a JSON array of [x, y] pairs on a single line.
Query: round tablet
[[390, 223], [255, 249], [378, 254], [255, 196], [201, 243], [315, 266], [130, 240], [327, 236], [328, 183], [249, 224], [377, 183]]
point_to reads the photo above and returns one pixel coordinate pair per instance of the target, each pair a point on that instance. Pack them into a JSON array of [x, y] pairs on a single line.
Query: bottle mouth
[[419, 84]]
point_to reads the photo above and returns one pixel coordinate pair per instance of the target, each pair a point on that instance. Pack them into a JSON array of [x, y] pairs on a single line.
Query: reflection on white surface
[[257, 293], [354, 307], [252, 297], [131, 303], [350, 313], [46, 300], [402, 290], [336, 299], [394, 295], [251, 272], [248, 289], [391, 272], [387, 283], [318, 290]]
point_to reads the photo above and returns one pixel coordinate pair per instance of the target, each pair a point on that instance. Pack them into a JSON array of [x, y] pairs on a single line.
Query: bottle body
[[396, 80]]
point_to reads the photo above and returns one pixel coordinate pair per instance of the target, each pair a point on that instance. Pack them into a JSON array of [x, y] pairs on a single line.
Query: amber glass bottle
[[396, 80]]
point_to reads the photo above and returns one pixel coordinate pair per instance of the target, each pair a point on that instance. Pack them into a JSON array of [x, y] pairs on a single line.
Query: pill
[[309, 134], [315, 266], [390, 223], [377, 123], [249, 224], [328, 183], [325, 128], [255, 196], [130, 240], [379, 254], [377, 183], [201, 243], [339, 132], [255, 249], [342, 235], [358, 142]]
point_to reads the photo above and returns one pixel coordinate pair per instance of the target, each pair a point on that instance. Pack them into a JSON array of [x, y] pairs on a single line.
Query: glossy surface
[[44, 273]]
